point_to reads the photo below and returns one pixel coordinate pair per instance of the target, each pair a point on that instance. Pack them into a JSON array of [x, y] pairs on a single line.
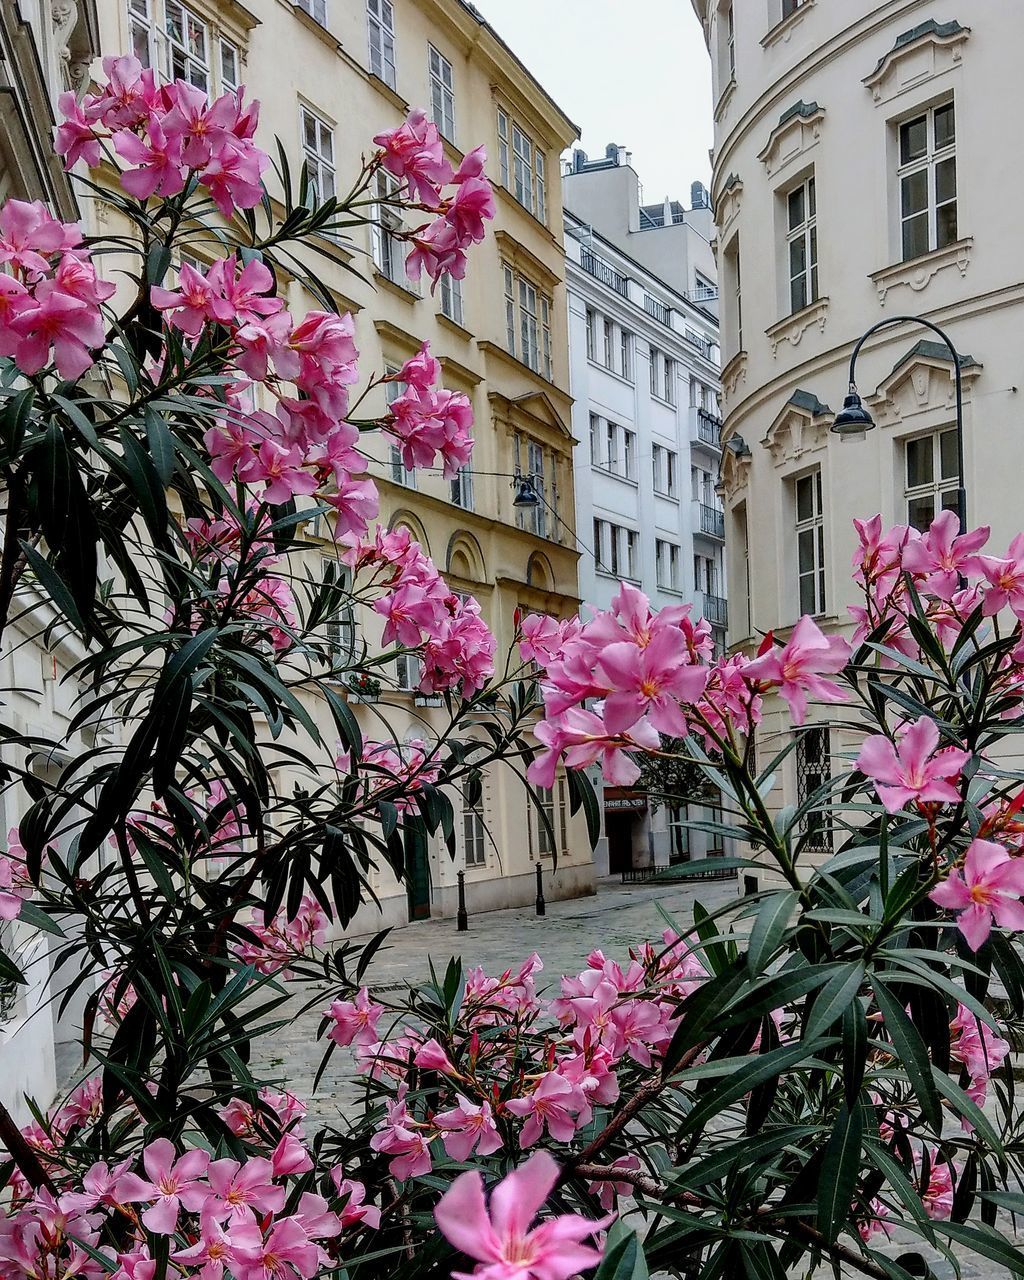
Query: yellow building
[[329, 75]]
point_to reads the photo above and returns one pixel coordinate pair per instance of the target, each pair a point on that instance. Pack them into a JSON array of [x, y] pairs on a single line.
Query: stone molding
[[921, 54], [918, 273], [792, 328], [801, 427], [798, 130], [784, 30]]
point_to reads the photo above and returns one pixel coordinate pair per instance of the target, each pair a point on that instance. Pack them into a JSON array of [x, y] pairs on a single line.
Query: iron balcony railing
[[658, 309], [716, 610], [702, 344], [600, 270], [702, 293], [712, 521], [709, 428]]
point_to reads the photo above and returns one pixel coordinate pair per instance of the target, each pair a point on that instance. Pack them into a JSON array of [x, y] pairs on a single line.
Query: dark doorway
[[417, 875], [619, 828]]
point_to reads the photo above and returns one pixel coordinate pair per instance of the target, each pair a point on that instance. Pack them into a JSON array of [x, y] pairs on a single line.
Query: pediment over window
[[734, 472], [922, 379], [797, 132], [920, 54], [801, 428], [727, 205], [535, 407]]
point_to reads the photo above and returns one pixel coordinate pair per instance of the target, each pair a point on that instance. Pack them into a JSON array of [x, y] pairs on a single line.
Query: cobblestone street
[[616, 918]]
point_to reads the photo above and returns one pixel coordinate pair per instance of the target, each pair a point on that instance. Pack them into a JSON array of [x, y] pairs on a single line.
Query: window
[[705, 576], [451, 297], [616, 550], [664, 463], [521, 166], [743, 536], [802, 245], [789, 7], [927, 177], [609, 345], [625, 351], [666, 563], [388, 249], [316, 9], [563, 816], [931, 471], [140, 31], [408, 672], [318, 154], [591, 322], [733, 288], [474, 833], [527, 322], [663, 376], [187, 44], [396, 465], [340, 630], [614, 449], [229, 61], [530, 460], [380, 18], [730, 42], [813, 770], [462, 489], [442, 92], [810, 543]]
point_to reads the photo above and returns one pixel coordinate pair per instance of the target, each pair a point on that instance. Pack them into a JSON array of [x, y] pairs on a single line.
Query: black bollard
[[541, 905], [461, 918]]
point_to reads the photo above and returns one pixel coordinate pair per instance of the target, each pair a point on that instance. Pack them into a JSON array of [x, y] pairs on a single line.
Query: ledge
[[726, 96], [727, 206], [782, 32], [459, 330], [517, 253], [798, 130], [733, 374], [792, 328], [317, 28], [944, 42], [918, 273], [393, 286], [386, 91]]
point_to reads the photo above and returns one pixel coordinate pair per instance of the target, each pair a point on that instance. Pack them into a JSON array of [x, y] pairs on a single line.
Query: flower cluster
[[50, 295], [430, 423], [455, 647], [15, 883], [414, 154], [169, 134], [271, 947]]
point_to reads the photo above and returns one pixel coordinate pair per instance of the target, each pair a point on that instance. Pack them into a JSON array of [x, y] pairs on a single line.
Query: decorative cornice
[[941, 44], [792, 328], [801, 427], [515, 252], [727, 95], [783, 31], [917, 273], [798, 130], [727, 206], [921, 380], [735, 471], [733, 374]]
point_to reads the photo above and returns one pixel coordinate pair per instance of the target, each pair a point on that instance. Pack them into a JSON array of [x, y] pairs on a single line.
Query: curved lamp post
[[854, 419]]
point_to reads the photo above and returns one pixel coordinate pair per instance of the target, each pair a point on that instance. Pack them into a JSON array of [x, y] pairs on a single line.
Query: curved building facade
[[861, 173]]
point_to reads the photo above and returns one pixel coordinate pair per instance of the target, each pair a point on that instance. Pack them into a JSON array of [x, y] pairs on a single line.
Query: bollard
[[541, 905], [461, 918]]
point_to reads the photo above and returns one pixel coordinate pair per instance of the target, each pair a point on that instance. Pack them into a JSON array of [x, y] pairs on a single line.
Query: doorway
[[417, 875], [619, 828]]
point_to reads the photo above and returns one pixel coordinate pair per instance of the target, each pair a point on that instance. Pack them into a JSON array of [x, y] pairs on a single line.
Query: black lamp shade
[[526, 494], [853, 419]]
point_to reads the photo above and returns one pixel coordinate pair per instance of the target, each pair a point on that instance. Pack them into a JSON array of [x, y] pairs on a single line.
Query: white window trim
[[442, 93], [380, 18], [815, 525], [805, 232], [929, 163]]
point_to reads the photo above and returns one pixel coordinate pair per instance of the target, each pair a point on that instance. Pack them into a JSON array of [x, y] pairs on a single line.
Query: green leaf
[[968, 1108], [35, 916], [345, 722], [986, 1241], [54, 586], [623, 1256], [161, 445], [764, 1067], [910, 1051], [769, 926], [581, 793], [839, 1172], [833, 999], [855, 1049]]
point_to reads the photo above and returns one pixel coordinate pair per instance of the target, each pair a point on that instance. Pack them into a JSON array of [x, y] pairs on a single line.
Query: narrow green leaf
[[855, 1049], [769, 926], [839, 1172], [834, 997], [911, 1052]]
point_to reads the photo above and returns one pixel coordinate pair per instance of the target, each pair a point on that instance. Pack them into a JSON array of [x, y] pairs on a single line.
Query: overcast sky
[[635, 72]]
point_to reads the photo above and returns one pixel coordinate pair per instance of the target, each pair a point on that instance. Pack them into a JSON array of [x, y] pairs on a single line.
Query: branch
[[838, 1252], [21, 1152]]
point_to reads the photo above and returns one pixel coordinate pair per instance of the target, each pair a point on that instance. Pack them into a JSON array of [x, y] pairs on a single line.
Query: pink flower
[[430, 1056], [540, 638], [237, 1189], [912, 771], [650, 681], [287, 1250], [355, 1210], [233, 176], [978, 1047], [218, 1246], [608, 1192], [937, 1197], [290, 1157], [421, 370], [468, 1128], [581, 737], [66, 324], [499, 1236], [171, 1183], [989, 887], [414, 152], [354, 1020], [282, 471], [556, 1105], [437, 250], [470, 207], [1005, 578], [798, 666], [941, 557], [28, 231], [75, 139], [160, 170]]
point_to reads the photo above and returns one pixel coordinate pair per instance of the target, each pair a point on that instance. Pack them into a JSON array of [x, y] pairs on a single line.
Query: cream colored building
[[330, 74], [859, 174]]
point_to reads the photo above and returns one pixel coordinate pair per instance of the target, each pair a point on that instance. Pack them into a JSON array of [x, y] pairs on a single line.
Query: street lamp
[[854, 419], [527, 496]]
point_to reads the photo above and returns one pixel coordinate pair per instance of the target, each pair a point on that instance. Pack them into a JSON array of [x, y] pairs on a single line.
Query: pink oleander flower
[[467, 1128], [414, 152], [430, 1056], [1005, 579], [237, 1189], [556, 1104], [70, 327], [498, 1236], [355, 1211], [437, 250], [354, 1020], [281, 469], [651, 681], [470, 208], [607, 1193], [943, 555], [30, 235], [286, 1251], [74, 137], [912, 771], [583, 739], [980, 1049], [937, 1196], [219, 1244], [233, 176], [798, 666], [421, 370], [170, 1184], [540, 638], [159, 169], [989, 887]]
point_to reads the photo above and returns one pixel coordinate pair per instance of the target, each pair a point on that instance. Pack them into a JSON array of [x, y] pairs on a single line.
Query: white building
[[644, 375], [856, 178]]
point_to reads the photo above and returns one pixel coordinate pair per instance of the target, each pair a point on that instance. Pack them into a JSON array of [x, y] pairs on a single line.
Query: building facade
[[330, 74], [855, 179], [644, 356]]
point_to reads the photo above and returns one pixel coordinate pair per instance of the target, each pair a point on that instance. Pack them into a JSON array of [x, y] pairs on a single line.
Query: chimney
[[698, 195], [579, 160]]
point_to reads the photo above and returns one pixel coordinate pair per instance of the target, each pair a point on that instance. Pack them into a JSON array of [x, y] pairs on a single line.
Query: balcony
[[658, 309], [714, 608], [600, 270], [710, 521], [705, 428]]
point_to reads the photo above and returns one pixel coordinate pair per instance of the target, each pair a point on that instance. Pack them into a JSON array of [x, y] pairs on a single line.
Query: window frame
[[940, 486], [380, 20], [527, 332], [317, 163], [669, 582], [802, 235], [474, 833], [316, 9], [522, 166], [929, 162], [442, 95], [452, 299], [812, 773], [461, 489], [386, 249], [814, 525]]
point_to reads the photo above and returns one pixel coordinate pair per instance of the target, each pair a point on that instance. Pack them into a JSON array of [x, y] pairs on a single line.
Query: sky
[[643, 82]]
